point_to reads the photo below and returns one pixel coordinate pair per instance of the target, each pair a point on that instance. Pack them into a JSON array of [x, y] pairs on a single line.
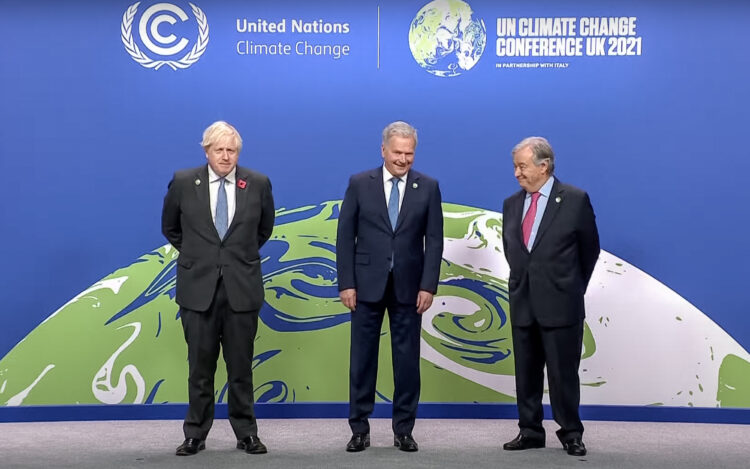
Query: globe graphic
[[445, 39], [121, 340]]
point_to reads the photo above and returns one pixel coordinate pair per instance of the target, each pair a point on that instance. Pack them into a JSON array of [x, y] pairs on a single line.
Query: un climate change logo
[[154, 41], [445, 39]]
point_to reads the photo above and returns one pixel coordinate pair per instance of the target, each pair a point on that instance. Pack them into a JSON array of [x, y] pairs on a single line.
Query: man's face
[[398, 154], [222, 155], [530, 176]]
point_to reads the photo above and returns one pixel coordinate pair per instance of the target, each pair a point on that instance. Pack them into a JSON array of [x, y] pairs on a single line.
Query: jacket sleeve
[[588, 239], [505, 233], [267, 215], [433, 242], [171, 226], [346, 235]]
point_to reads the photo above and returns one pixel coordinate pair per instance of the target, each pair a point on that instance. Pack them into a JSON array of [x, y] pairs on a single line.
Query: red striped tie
[[528, 220]]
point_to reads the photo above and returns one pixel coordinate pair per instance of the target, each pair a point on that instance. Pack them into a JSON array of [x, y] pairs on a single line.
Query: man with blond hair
[[218, 215]]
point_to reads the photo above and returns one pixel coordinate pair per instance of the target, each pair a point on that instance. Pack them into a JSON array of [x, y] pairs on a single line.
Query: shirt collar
[[387, 175], [546, 188], [213, 177]]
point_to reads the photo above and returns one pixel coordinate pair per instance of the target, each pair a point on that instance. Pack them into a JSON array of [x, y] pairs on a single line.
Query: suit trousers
[[560, 349], [235, 332], [405, 329]]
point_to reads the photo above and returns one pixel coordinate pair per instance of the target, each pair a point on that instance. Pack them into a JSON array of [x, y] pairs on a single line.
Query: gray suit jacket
[[187, 224]]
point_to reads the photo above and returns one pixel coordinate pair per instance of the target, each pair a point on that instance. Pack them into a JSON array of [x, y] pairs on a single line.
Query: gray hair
[[220, 129], [540, 148], [399, 129]]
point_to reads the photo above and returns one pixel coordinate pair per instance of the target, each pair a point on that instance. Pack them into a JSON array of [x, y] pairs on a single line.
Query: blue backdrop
[[89, 138]]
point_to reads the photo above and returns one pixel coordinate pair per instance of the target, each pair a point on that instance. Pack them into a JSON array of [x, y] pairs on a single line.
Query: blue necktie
[[222, 212], [393, 203]]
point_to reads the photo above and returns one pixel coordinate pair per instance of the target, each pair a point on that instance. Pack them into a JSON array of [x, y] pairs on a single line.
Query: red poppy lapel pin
[[241, 183]]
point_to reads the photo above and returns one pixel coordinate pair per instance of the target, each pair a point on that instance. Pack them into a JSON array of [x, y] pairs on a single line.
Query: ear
[[382, 150], [545, 168]]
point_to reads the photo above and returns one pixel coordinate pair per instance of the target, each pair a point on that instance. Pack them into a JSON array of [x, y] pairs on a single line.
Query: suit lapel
[[553, 207], [410, 186], [201, 185], [377, 187], [240, 198], [518, 213]]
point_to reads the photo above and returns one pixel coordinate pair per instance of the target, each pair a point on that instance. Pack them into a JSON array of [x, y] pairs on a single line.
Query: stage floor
[[294, 443]]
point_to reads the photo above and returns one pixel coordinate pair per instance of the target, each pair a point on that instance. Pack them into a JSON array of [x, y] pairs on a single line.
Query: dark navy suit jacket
[[366, 242], [548, 283]]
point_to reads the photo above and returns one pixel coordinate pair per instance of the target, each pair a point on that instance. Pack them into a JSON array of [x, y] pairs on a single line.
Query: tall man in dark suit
[[551, 244], [218, 216], [388, 252]]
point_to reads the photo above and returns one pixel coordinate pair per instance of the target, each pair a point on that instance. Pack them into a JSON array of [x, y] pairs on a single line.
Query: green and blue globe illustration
[[446, 39], [121, 340]]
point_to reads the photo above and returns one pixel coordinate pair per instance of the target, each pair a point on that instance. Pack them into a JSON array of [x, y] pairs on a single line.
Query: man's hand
[[349, 298], [424, 301]]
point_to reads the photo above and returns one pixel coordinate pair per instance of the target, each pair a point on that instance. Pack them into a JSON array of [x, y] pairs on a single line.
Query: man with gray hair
[[389, 248], [551, 243], [218, 215]]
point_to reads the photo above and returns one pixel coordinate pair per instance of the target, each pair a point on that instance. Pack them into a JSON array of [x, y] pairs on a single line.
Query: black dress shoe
[[405, 443], [523, 442], [252, 445], [575, 447], [190, 446], [358, 442]]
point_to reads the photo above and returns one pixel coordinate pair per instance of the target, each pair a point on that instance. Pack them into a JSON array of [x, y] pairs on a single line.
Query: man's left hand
[[424, 301]]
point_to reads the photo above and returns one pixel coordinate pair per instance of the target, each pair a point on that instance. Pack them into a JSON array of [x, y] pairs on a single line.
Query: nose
[[516, 172]]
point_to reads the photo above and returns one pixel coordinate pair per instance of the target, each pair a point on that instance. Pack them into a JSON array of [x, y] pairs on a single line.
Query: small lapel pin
[[558, 199], [197, 182], [241, 183], [415, 185]]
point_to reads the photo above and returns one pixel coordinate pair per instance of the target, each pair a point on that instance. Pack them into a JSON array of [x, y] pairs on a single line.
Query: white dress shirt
[[388, 186], [541, 206]]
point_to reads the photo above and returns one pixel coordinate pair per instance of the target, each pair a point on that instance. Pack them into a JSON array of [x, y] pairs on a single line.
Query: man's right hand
[[349, 298]]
